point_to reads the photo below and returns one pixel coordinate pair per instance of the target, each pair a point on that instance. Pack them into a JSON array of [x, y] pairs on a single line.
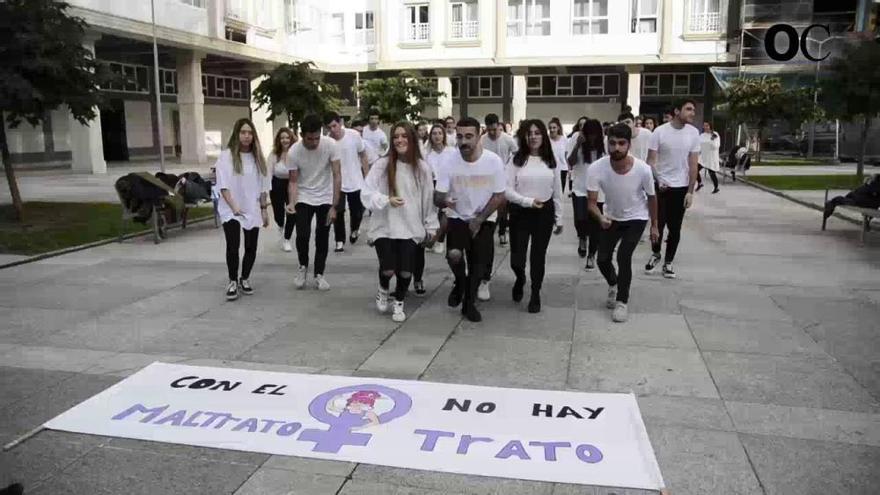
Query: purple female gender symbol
[[340, 433]]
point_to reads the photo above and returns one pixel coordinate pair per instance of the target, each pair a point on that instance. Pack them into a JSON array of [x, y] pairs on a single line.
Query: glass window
[[590, 17], [595, 85], [548, 83], [528, 17], [456, 89], [698, 84], [705, 16], [485, 86], [681, 85], [515, 17], [563, 86], [644, 16], [579, 85], [533, 86], [665, 84], [612, 85]]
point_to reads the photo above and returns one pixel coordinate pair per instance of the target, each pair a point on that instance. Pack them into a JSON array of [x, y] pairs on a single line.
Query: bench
[[867, 215]]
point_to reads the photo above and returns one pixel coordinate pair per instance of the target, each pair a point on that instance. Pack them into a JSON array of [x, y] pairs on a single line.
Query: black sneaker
[[454, 296], [232, 291], [591, 263], [471, 312], [535, 302], [518, 289], [502, 239], [353, 237], [652, 263], [582, 248], [246, 288], [668, 272], [419, 287]]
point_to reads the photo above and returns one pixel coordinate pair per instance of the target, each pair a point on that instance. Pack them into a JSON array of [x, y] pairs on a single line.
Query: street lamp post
[[157, 90]]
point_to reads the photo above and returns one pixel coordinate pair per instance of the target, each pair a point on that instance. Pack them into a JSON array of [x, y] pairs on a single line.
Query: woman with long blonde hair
[[244, 183], [399, 192], [284, 139]]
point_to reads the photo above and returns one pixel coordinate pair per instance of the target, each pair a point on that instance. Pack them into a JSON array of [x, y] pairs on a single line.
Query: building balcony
[[418, 32], [465, 30], [709, 22]]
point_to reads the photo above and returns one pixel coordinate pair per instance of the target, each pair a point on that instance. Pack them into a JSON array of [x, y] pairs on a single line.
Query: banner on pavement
[[543, 435]]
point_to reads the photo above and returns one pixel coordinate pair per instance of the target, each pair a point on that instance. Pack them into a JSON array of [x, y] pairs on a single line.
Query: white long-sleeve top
[[710, 142], [418, 215], [534, 181]]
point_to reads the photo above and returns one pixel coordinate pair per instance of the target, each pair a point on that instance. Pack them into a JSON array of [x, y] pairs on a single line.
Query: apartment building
[[516, 58]]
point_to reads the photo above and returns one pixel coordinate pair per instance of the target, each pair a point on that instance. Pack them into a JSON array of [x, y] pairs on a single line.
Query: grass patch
[[791, 162], [51, 226], [806, 182]]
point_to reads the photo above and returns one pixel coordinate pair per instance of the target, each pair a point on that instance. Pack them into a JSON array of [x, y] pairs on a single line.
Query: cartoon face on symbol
[[361, 401]]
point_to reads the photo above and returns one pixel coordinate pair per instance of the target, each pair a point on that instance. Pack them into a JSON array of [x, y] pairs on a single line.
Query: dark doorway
[[175, 124], [113, 131]]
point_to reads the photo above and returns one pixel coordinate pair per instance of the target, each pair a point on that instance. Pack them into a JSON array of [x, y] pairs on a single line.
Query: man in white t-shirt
[[641, 137], [630, 201], [450, 131], [315, 187], [354, 168], [374, 135], [471, 187], [673, 154], [372, 154]]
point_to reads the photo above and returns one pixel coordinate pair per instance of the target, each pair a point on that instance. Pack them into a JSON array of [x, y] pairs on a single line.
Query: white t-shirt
[[625, 195], [534, 181], [350, 146], [638, 146], [471, 184], [435, 160], [709, 157], [278, 167], [673, 146], [579, 169], [377, 138], [315, 182], [451, 140], [504, 146], [245, 189], [559, 152]]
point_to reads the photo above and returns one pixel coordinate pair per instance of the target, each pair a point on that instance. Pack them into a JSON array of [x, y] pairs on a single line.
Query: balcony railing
[[365, 37], [418, 32], [465, 30], [709, 22]]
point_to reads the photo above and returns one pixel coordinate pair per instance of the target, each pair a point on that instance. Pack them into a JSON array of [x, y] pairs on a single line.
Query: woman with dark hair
[[400, 193], [557, 142], [284, 139], [243, 180], [577, 126], [710, 143], [587, 146], [649, 123], [534, 195]]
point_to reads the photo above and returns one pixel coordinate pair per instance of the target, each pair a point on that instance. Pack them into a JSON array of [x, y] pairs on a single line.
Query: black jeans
[[232, 231], [356, 211], [396, 257], [278, 197], [563, 175], [628, 233], [712, 176], [670, 214], [581, 215], [304, 214], [535, 225], [469, 266], [502, 220], [594, 231]]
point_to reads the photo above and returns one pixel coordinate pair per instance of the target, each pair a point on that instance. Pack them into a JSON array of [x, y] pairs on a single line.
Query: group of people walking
[[448, 187]]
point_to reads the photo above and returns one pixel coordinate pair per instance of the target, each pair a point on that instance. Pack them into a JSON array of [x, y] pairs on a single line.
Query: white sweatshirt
[[418, 215]]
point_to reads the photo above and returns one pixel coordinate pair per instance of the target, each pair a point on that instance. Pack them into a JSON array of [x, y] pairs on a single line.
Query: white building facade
[[515, 58]]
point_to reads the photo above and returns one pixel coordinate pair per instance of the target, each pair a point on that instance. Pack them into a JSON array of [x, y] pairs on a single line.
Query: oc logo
[[793, 45]]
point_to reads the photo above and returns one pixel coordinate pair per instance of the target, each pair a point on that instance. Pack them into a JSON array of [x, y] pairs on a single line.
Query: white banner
[[566, 437]]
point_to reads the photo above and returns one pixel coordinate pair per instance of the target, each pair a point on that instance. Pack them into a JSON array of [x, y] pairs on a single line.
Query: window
[[364, 31], [590, 17], [673, 84], [225, 87], [528, 17], [485, 86], [456, 87], [574, 85], [465, 20], [195, 3], [644, 16], [704, 16], [336, 29], [168, 81], [131, 78], [418, 27], [291, 19]]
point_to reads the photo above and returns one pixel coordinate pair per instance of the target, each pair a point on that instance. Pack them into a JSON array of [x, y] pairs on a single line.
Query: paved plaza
[[757, 370]]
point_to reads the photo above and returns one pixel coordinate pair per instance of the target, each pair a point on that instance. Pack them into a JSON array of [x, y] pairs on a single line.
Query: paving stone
[[688, 412], [17, 384], [806, 423], [43, 456], [788, 465], [49, 295], [53, 358], [126, 363], [716, 333], [645, 329], [643, 370], [320, 351], [31, 326], [806, 381], [307, 465], [205, 338], [353, 487], [403, 356], [509, 320], [448, 482]]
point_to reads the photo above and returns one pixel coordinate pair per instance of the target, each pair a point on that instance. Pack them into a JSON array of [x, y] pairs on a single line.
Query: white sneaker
[[438, 248], [668, 271], [285, 246], [340, 247], [321, 283], [397, 313], [611, 303], [299, 281], [620, 314], [382, 300], [483, 292]]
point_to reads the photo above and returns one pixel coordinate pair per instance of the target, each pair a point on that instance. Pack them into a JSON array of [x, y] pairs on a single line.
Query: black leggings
[[356, 211], [468, 255], [628, 233], [232, 232], [396, 257], [535, 224], [712, 176], [581, 215], [419, 263], [502, 220], [304, 214], [670, 214], [563, 175], [594, 231], [278, 196]]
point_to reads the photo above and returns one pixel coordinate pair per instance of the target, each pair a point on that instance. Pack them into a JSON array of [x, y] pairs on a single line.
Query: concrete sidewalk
[[757, 370]]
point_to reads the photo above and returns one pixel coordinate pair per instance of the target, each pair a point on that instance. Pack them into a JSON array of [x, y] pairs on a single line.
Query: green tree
[[400, 97], [851, 90], [44, 67], [297, 90], [757, 101]]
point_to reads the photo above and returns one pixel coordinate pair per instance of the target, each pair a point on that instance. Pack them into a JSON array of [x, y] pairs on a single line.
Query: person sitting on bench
[[866, 196]]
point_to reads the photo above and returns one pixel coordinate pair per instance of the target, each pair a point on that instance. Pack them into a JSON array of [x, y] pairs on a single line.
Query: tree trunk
[[10, 174], [860, 167]]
